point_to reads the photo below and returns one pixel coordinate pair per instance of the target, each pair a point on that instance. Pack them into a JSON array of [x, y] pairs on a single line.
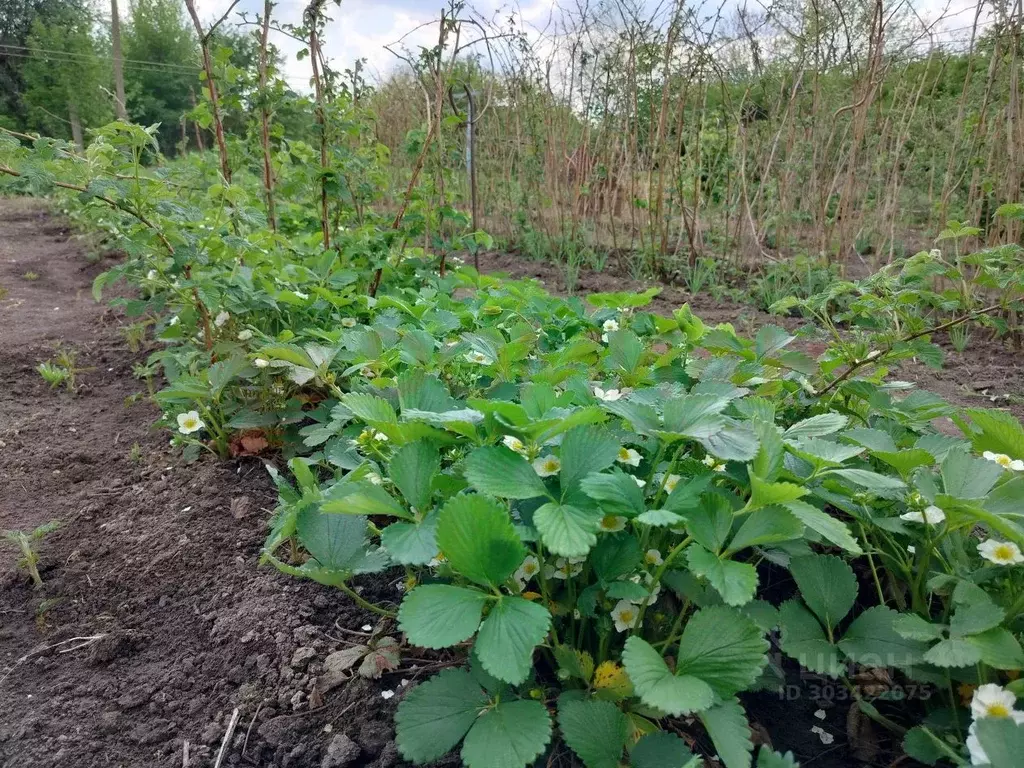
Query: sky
[[361, 28]]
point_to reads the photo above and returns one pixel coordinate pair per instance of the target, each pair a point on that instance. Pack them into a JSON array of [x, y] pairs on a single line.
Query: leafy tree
[[66, 77], [160, 91]]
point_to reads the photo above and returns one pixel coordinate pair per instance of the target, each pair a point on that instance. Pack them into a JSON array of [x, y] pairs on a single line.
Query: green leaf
[[922, 746], [573, 663], [907, 461], [999, 648], [804, 640], [615, 492], [816, 426], [769, 758], [722, 647], [511, 631], [694, 416], [735, 582], [768, 462], [1002, 740], [660, 518], [336, 542], [595, 730], [970, 618], [662, 749], [585, 450], [435, 715], [369, 408], [411, 543], [440, 615], [627, 590], [763, 494], [1000, 432], [871, 640], [366, 498], [766, 526], [867, 479], [657, 687], [497, 471], [567, 530], [872, 439], [953, 652], [734, 442], [509, 735], [831, 529], [913, 627], [477, 537], [769, 339], [412, 469], [615, 556], [827, 584], [968, 477], [727, 726]]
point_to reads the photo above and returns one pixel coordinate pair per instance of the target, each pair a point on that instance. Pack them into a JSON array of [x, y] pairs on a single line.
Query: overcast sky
[[361, 28]]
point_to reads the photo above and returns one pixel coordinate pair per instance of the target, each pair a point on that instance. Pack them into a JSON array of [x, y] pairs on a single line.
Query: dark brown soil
[[155, 621], [989, 373]]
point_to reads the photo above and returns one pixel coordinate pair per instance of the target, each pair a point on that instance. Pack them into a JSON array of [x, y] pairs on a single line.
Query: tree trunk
[[76, 126], [115, 40]]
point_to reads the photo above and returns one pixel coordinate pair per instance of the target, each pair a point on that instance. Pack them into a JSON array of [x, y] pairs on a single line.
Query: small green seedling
[[24, 542]]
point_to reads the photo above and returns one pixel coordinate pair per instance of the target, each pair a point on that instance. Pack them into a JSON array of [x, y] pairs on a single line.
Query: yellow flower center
[[623, 454], [1003, 460], [998, 710], [627, 617], [1003, 552], [529, 569], [608, 521], [190, 423]]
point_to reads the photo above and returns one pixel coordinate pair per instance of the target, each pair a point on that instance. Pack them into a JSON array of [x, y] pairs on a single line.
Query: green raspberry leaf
[[477, 537]]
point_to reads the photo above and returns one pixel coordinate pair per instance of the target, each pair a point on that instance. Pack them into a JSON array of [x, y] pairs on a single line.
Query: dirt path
[[156, 564]]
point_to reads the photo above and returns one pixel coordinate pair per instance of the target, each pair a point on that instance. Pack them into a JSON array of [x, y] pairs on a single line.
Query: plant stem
[[363, 603]]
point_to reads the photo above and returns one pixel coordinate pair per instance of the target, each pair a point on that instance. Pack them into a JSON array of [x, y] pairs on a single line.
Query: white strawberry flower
[[610, 326], [653, 557], [348, 322], [1000, 552], [1005, 461], [991, 700], [514, 444], [244, 335], [152, 274], [221, 318], [301, 295], [648, 581], [261, 362], [714, 464], [546, 466], [931, 515], [563, 568], [629, 457], [174, 321], [479, 358], [609, 396], [624, 614], [640, 482], [604, 337], [671, 482], [189, 422], [529, 568], [612, 523]]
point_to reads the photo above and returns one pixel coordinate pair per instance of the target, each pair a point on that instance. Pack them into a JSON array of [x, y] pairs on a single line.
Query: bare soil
[[988, 373], [155, 621]]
